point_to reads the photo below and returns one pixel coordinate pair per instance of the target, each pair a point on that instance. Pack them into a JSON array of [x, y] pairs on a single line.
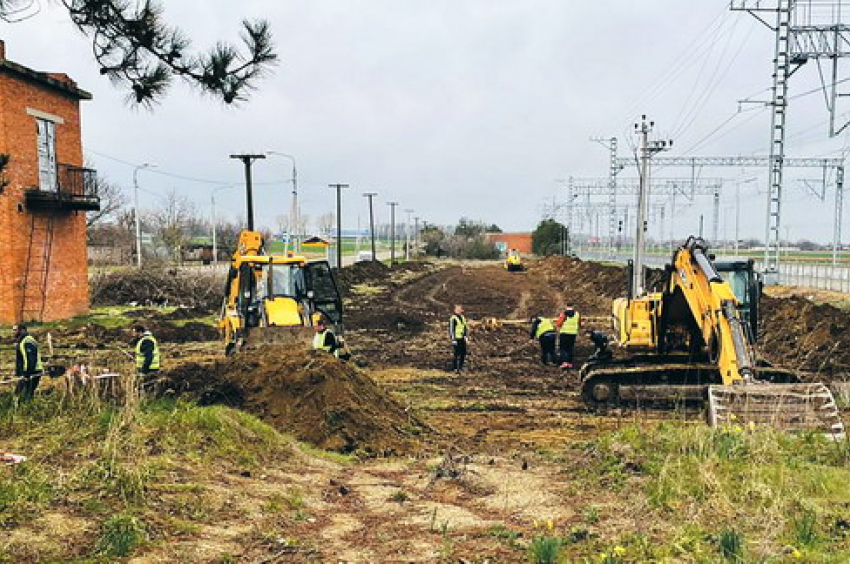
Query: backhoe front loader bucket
[[785, 407], [296, 336]]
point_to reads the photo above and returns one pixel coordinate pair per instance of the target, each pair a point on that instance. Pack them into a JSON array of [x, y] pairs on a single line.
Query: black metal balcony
[[76, 190]]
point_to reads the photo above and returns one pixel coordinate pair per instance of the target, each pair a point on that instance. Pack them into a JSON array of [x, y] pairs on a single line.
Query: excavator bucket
[[786, 407]]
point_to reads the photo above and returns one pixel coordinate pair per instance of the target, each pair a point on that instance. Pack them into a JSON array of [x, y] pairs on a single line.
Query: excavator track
[[658, 379], [776, 398]]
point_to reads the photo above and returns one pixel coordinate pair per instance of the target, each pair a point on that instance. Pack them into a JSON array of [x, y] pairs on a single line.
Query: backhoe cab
[[275, 298]]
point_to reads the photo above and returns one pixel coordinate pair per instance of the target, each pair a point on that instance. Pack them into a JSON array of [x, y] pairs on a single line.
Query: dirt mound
[[311, 395], [390, 320], [151, 287], [802, 335], [361, 273], [192, 331]]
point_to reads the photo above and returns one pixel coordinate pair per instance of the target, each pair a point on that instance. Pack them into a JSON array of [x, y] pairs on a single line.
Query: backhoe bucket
[[297, 336], [786, 407]]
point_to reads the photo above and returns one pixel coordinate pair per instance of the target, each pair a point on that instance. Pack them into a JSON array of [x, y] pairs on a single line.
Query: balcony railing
[[76, 190]]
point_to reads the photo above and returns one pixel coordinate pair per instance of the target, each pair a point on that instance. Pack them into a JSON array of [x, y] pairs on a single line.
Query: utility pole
[[248, 160], [338, 188], [294, 213], [138, 220], [647, 150], [407, 235], [371, 195], [392, 231], [416, 237]]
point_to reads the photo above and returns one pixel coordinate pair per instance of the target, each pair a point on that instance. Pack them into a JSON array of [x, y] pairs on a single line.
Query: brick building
[[506, 241], [45, 194]]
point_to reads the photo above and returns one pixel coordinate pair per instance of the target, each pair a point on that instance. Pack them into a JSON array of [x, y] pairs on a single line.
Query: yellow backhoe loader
[[696, 340], [275, 298], [513, 262]]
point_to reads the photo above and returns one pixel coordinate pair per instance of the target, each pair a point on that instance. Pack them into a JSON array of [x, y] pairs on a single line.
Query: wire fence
[[821, 276]]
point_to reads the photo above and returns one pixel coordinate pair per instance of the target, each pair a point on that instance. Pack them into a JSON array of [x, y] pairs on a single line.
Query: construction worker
[[324, 339], [28, 365], [568, 324], [600, 341], [458, 333], [543, 329], [147, 352]]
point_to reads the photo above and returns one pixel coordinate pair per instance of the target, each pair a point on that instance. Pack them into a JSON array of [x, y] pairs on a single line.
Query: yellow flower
[[732, 417], [751, 426], [796, 554], [619, 550], [550, 524], [536, 523]]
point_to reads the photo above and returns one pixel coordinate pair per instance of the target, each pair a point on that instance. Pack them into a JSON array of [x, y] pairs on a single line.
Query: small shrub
[[400, 496], [120, 535], [805, 528], [545, 550], [731, 543]]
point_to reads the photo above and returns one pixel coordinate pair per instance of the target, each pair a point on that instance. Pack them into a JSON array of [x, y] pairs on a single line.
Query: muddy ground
[[487, 456]]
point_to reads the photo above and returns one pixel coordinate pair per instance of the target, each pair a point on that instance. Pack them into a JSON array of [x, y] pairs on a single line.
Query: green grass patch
[[719, 487], [107, 464]]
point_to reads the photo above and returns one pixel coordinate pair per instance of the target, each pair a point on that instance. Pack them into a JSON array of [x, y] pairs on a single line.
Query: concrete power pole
[[392, 231], [407, 235], [338, 188], [647, 149], [248, 160], [371, 195]]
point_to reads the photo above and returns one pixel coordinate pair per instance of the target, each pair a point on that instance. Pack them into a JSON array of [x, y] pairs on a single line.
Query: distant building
[[42, 207], [507, 241]]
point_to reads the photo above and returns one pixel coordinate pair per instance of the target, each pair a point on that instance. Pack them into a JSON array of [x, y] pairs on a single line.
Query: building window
[[47, 170]]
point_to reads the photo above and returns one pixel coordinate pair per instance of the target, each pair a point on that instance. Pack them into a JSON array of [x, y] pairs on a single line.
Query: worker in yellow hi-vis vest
[[28, 365], [458, 333], [569, 324], [147, 351], [543, 329]]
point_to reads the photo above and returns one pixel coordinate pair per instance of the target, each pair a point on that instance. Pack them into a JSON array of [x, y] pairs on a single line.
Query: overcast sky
[[454, 107]]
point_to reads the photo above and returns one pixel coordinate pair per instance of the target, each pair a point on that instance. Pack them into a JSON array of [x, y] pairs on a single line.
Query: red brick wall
[[519, 241], [67, 292]]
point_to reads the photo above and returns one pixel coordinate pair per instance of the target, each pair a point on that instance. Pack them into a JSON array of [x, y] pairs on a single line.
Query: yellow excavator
[[275, 298], [696, 340], [513, 262]]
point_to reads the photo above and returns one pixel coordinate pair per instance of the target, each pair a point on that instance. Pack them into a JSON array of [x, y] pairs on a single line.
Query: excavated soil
[[311, 395], [809, 337]]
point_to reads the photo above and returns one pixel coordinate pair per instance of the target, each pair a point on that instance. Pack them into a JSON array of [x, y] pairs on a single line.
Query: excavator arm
[[713, 306]]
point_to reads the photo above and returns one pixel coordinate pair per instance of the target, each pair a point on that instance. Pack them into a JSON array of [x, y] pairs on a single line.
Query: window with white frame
[[47, 168]]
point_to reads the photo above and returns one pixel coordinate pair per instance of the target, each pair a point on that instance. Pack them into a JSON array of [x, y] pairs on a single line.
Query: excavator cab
[[746, 283]]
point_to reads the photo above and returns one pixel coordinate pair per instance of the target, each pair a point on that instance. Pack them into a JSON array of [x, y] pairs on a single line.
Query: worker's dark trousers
[[547, 348], [567, 344], [26, 387], [459, 349]]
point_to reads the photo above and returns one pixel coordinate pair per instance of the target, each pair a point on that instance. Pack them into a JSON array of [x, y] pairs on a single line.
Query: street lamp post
[[215, 223], [136, 211], [294, 213]]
